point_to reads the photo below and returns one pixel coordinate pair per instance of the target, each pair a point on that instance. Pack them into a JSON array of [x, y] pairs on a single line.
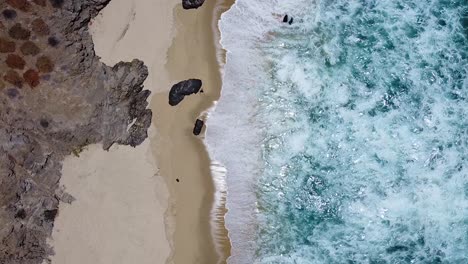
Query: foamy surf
[[227, 138], [344, 135]]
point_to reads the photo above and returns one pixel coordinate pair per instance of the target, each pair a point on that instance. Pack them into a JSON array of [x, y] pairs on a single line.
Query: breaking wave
[[345, 134]]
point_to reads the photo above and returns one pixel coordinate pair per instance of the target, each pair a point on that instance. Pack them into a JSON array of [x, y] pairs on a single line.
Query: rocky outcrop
[[191, 4], [182, 89], [197, 128], [55, 98]]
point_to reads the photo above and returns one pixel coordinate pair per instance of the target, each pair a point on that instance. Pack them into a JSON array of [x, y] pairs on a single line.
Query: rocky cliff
[[55, 98]]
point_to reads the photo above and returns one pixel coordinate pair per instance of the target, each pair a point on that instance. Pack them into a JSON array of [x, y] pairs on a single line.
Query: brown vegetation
[[14, 61], [44, 64], [14, 78], [29, 48], [40, 27], [31, 77], [22, 5], [40, 2], [7, 46], [19, 32]]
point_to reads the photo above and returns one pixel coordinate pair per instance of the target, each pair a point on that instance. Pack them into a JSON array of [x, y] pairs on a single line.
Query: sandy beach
[[183, 156], [129, 207], [117, 216]]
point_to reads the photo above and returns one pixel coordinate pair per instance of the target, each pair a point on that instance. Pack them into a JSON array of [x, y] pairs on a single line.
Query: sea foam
[[234, 132], [345, 134]]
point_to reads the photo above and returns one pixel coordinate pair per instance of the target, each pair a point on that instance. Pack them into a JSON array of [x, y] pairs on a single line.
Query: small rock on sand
[[190, 4], [198, 127]]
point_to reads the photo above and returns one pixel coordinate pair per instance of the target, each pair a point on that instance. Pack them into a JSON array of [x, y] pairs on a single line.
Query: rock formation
[[191, 4], [180, 90], [55, 98], [197, 128]]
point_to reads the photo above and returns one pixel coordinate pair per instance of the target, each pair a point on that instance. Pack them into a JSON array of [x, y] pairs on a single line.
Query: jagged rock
[[182, 89], [198, 127], [190, 4], [63, 196], [64, 100]]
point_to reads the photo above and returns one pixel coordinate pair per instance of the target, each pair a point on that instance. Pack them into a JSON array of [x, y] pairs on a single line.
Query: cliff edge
[[55, 98]]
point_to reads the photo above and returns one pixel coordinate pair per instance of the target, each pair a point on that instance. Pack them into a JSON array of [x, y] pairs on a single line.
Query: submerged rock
[[190, 4], [198, 127], [182, 89]]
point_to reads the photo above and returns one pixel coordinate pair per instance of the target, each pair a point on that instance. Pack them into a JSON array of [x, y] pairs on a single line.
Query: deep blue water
[[359, 111]]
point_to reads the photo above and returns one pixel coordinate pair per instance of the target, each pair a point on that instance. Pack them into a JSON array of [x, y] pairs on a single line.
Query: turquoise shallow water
[[356, 145]]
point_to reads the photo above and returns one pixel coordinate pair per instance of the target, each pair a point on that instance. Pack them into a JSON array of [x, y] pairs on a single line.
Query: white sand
[[118, 215], [142, 29]]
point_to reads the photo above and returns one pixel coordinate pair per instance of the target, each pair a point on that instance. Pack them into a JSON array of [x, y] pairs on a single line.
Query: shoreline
[[234, 141], [185, 222], [218, 171], [192, 218]]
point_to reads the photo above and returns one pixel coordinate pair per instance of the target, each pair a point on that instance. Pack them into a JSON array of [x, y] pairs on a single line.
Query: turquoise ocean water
[[345, 134]]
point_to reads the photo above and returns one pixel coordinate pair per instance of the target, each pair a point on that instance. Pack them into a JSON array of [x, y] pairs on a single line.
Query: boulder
[[191, 4], [198, 127], [182, 89]]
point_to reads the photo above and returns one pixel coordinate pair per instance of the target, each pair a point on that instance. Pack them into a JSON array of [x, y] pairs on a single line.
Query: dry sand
[[129, 207], [118, 213], [121, 201]]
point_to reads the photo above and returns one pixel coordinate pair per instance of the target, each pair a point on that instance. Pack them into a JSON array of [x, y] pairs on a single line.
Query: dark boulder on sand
[[190, 4], [182, 89], [198, 127]]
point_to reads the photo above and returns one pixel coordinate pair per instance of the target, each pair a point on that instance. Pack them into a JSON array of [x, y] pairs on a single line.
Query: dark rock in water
[[198, 127], [396, 248], [182, 89], [285, 19], [190, 4], [290, 21]]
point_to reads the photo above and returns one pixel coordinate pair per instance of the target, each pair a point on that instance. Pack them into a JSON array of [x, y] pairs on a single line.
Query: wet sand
[[129, 207], [198, 232]]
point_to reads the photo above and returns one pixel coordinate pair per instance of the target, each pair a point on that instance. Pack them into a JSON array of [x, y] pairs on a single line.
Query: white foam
[[233, 137], [243, 125]]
